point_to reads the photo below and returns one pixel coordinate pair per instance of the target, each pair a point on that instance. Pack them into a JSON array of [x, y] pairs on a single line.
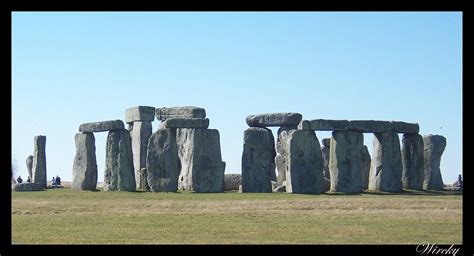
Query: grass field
[[62, 216]]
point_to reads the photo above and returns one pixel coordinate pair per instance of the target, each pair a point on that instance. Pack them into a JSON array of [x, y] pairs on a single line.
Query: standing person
[[19, 180], [58, 180]]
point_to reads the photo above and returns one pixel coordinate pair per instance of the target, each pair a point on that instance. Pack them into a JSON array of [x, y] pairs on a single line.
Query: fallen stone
[[162, 162], [434, 146], [39, 161], [26, 186], [345, 161], [366, 162], [258, 157], [370, 126], [304, 174], [180, 112], [232, 181], [202, 123], [324, 125], [140, 134], [140, 113], [273, 119], [386, 168], [29, 166], [119, 173], [84, 170], [103, 126], [412, 161], [403, 127]]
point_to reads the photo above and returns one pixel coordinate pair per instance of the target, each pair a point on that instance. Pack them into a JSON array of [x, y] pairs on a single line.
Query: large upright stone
[[140, 113], [345, 161], [202, 123], [29, 166], [273, 119], [39, 161], [119, 173], [140, 134], [180, 112], [324, 125], [326, 142], [326, 174], [202, 168], [258, 157], [386, 168], [162, 162], [304, 174], [370, 126], [404, 127], [366, 162], [84, 170], [434, 146], [412, 160], [282, 154], [232, 181], [103, 126]]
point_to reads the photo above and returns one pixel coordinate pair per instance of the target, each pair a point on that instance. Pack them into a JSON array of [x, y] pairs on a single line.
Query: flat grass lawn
[[62, 216]]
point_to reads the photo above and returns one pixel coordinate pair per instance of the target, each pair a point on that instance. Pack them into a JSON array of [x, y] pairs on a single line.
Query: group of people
[[56, 180]]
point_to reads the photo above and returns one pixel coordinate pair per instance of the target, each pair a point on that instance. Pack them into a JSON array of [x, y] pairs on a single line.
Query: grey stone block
[[274, 119], [140, 113], [103, 126]]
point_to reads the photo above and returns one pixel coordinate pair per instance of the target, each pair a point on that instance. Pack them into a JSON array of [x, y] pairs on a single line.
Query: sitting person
[[53, 182], [19, 180]]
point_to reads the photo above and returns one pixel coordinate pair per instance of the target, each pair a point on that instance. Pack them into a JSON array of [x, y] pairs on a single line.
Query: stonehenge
[[39, 161], [434, 146]]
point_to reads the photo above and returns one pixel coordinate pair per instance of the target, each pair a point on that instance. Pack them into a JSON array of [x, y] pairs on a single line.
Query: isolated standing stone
[[140, 134], [162, 162], [119, 173], [202, 168], [366, 162], [434, 146], [413, 161], [103, 126], [29, 166], [258, 157], [232, 181], [84, 170], [273, 119], [39, 161], [140, 113], [180, 112], [282, 155], [386, 168], [305, 164], [345, 161]]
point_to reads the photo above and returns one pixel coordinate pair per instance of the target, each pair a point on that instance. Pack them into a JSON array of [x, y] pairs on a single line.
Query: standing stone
[[232, 181], [386, 168], [345, 161], [29, 166], [413, 161], [433, 149], [162, 162], [202, 168], [140, 134], [326, 174], [258, 160], [84, 170], [281, 157], [305, 164], [119, 173], [39, 161], [366, 161], [274, 119]]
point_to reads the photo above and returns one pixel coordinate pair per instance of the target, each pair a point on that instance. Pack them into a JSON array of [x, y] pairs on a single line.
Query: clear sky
[[70, 68]]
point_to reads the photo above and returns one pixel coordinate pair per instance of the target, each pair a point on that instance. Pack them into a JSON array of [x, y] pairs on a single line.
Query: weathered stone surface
[[305, 164], [370, 126], [282, 155], [26, 187], [324, 125], [162, 162], [413, 161], [119, 173], [140, 134], [29, 166], [366, 162], [232, 181], [202, 168], [273, 119], [202, 123], [140, 113], [434, 146], [326, 174], [180, 112], [84, 170], [386, 168], [142, 179], [258, 157], [403, 127], [345, 161], [102, 126], [279, 188], [326, 142], [39, 161]]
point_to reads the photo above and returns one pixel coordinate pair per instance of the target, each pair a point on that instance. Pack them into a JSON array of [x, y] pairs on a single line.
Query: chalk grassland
[[62, 216]]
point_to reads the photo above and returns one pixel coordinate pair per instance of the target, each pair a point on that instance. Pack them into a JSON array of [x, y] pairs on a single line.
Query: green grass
[[63, 216]]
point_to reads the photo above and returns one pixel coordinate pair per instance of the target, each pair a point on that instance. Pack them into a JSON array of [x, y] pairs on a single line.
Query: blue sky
[[70, 68]]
